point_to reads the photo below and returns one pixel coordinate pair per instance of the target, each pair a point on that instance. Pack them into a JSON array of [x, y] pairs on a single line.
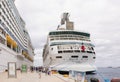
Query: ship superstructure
[[67, 49], [15, 43]]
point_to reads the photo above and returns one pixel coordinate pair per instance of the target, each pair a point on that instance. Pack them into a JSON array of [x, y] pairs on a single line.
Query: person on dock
[[49, 71], [46, 71], [39, 74], [31, 68]]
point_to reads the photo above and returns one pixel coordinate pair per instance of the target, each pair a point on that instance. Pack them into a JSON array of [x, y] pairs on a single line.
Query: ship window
[[68, 51], [59, 51], [94, 57], [74, 56], [84, 56], [58, 56], [51, 48], [51, 39], [58, 47], [76, 50], [92, 48], [70, 32], [89, 51], [3, 3], [82, 51]]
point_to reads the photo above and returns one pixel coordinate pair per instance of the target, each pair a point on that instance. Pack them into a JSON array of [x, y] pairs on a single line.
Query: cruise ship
[[15, 43], [67, 49]]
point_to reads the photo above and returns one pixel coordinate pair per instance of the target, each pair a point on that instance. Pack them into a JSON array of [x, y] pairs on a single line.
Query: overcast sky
[[101, 18]]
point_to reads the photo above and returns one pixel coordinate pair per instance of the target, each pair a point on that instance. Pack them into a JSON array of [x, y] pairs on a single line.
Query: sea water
[[105, 74]]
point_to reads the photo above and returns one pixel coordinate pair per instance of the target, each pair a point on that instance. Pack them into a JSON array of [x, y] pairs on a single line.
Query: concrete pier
[[34, 77]]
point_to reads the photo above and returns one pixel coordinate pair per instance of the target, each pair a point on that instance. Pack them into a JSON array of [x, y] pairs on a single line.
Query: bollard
[[115, 80], [94, 80]]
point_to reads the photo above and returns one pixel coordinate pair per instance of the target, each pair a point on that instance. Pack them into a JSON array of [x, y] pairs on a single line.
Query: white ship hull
[[76, 67], [8, 55], [70, 61]]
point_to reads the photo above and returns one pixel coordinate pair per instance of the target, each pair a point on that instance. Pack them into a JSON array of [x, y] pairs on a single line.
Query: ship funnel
[[65, 17], [65, 20]]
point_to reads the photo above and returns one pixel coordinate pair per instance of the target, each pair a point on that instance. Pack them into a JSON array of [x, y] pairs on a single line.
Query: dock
[[34, 77]]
